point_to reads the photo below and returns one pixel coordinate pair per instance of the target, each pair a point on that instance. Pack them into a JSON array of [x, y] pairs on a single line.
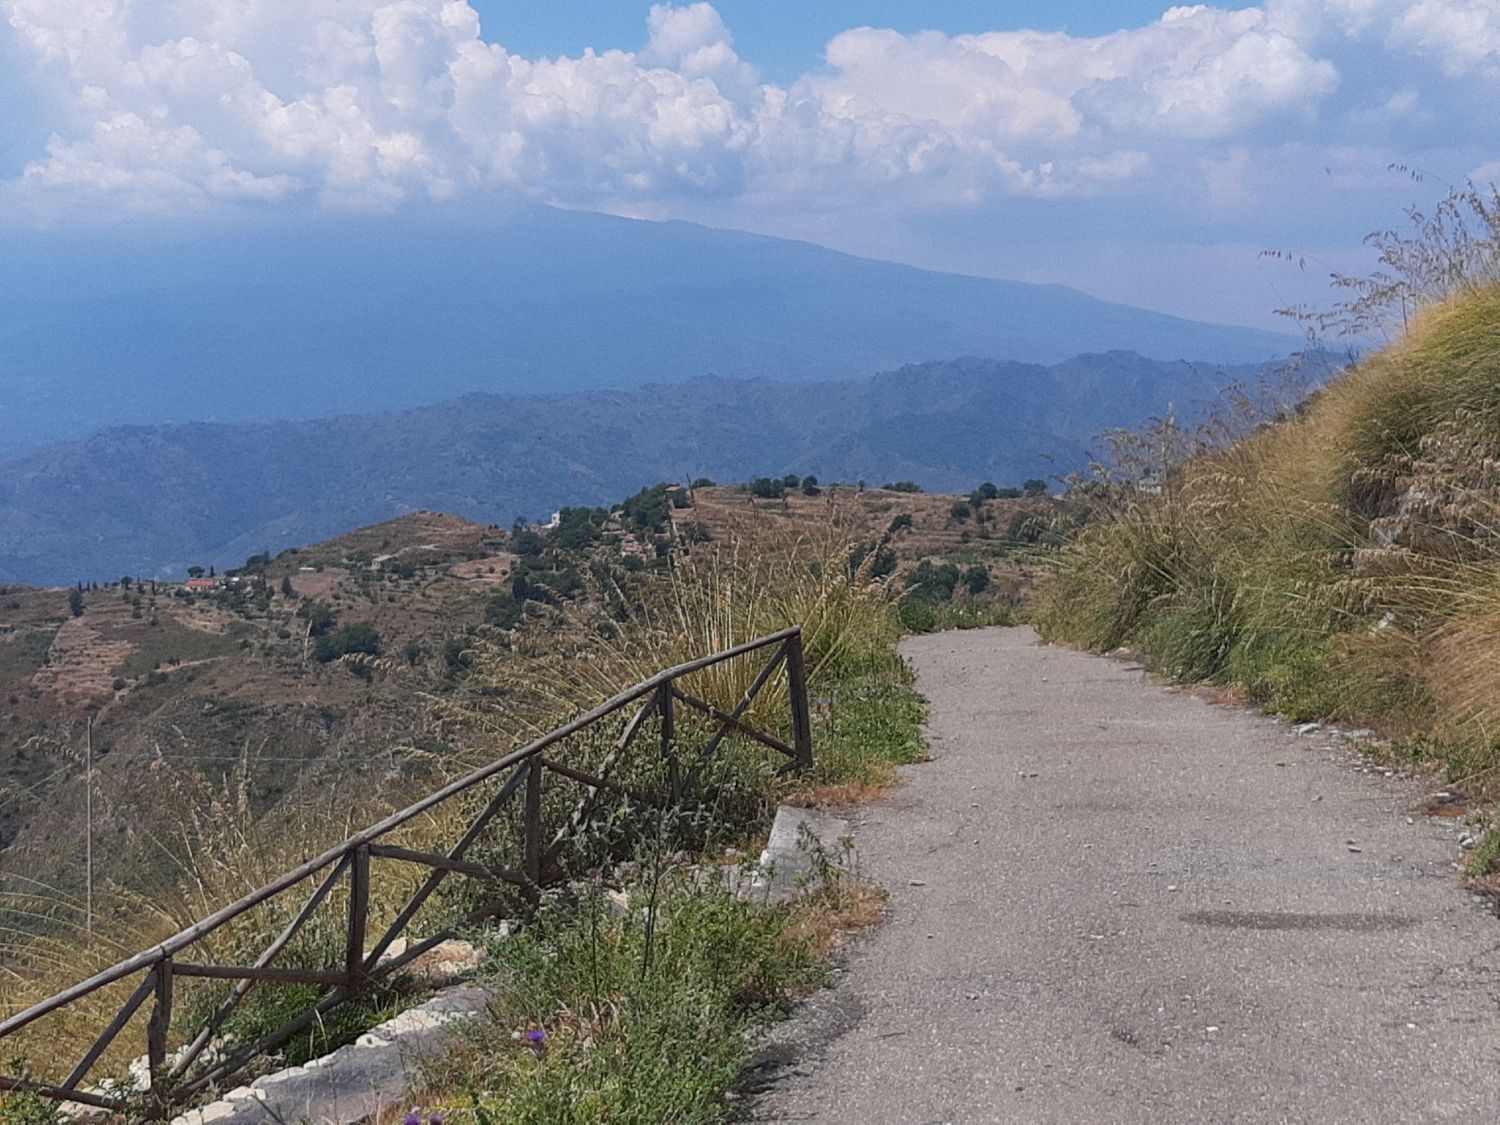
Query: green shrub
[[361, 637]]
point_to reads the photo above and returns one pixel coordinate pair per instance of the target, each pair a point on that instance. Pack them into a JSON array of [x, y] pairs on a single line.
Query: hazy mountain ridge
[[151, 500], [354, 315]]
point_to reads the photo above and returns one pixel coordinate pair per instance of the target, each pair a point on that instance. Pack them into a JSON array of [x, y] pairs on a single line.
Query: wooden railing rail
[[365, 963]]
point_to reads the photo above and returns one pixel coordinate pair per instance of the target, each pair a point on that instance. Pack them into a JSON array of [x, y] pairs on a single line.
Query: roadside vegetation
[[675, 980], [1337, 558]]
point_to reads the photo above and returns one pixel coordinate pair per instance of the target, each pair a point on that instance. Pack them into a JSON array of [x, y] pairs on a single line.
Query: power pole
[[88, 831]]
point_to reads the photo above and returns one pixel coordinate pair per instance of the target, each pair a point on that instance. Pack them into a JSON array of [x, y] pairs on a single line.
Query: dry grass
[[217, 846], [1344, 563], [828, 918]]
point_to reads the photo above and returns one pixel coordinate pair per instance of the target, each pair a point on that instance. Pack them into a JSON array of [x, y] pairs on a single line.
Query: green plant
[[632, 1015], [1484, 859], [23, 1107]]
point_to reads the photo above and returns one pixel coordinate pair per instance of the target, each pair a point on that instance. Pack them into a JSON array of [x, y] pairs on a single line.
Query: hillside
[[154, 500], [254, 688], [362, 315], [1343, 563]]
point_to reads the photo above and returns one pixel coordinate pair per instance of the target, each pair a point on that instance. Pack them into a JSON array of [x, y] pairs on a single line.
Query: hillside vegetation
[[315, 676], [151, 501], [273, 710], [1342, 563]]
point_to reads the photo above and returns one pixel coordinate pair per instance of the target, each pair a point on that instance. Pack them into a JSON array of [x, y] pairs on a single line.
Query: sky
[[1138, 152]]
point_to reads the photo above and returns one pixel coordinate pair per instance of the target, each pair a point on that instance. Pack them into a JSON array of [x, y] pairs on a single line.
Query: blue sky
[[785, 38], [1138, 153]]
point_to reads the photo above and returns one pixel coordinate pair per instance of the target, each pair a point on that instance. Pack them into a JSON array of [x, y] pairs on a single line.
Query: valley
[[154, 500], [320, 674]]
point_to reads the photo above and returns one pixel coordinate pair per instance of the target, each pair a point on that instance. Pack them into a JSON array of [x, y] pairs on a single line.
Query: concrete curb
[[788, 863], [357, 1081]]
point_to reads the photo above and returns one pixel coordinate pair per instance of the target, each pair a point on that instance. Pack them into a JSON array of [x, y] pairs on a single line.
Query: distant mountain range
[[151, 500], [365, 315]]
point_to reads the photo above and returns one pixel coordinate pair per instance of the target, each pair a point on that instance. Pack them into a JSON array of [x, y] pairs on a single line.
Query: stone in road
[[1113, 902]]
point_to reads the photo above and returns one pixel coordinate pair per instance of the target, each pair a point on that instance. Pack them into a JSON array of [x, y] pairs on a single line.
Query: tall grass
[[217, 846], [1343, 563]]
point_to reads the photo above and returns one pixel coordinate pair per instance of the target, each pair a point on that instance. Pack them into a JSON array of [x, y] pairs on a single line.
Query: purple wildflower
[[536, 1036], [413, 1118]]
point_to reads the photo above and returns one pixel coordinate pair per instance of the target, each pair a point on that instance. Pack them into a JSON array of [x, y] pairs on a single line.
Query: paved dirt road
[[1112, 902]]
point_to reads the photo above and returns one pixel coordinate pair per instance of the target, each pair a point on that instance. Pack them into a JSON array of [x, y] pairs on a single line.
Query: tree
[[1034, 487], [1026, 527], [457, 656], [987, 491], [287, 589], [933, 582], [577, 528], [810, 486], [960, 511], [902, 486], [75, 602], [526, 543], [903, 522], [876, 560], [361, 637], [503, 609], [767, 488], [195, 572], [649, 510], [976, 580], [703, 482], [318, 615]]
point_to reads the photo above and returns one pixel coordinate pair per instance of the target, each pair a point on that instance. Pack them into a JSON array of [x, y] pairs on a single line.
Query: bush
[[916, 615], [319, 616], [765, 488], [976, 580], [359, 638], [932, 582], [902, 486]]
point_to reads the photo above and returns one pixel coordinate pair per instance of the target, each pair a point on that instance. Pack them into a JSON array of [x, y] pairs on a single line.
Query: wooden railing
[[364, 964]]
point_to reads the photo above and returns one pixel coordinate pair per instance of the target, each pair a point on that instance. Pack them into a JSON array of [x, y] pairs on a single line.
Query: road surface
[[1115, 902]]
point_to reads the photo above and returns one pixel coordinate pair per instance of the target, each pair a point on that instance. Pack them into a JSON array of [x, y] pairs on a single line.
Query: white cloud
[[366, 103], [1461, 36]]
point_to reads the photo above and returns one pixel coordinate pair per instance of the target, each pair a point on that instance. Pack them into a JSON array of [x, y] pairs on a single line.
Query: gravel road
[[1115, 902]]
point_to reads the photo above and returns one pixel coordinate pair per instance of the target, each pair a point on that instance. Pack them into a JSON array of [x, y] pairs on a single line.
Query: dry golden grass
[[828, 918], [1343, 563], [218, 849]]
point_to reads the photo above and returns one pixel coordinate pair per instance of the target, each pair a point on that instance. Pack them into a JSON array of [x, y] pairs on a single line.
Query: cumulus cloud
[[363, 104]]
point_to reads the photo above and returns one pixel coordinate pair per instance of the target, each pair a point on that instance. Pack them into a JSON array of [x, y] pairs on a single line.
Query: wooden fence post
[[533, 825], [359, 913], [668, 738], [160, 1022], [796, 672]]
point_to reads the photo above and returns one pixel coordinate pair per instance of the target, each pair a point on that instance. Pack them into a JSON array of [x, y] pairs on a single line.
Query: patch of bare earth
[[80, 663]]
